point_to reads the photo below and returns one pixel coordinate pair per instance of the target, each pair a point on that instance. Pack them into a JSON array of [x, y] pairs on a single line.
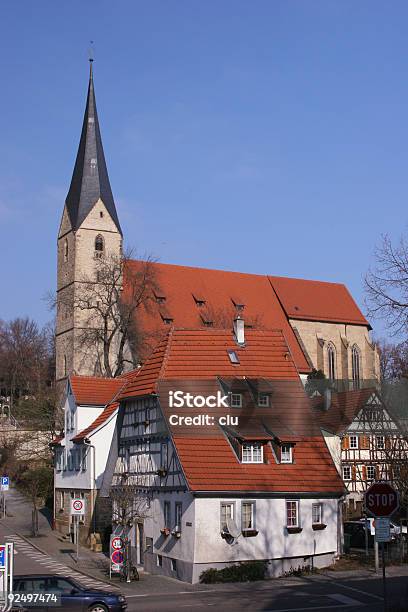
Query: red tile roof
[[317, 301], [102, 418], [211, 465], [94, 391], [181, 285], [268, 302], [194, 359], [344, 407]]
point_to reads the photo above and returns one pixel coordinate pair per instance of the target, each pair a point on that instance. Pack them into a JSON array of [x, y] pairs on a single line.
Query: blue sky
[[265, 136]]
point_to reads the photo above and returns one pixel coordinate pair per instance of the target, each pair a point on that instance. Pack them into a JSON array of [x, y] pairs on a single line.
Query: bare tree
[[393, 360], [25, 358], [387, 285], [108, 301]]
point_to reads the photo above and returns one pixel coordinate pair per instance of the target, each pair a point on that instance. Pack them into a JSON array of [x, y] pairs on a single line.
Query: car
[[395, 529], [74, 596]]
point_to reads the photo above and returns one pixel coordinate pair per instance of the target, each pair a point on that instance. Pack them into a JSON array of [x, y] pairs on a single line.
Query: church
[[210, 492], [323, 326]]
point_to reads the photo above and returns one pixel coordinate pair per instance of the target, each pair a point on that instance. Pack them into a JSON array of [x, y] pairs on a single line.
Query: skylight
[[233, 356]]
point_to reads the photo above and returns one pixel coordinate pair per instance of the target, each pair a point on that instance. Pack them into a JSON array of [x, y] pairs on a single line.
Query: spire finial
[[91, 58]]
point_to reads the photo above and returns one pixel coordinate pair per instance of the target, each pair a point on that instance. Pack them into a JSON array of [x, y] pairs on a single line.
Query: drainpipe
[[87, 442]]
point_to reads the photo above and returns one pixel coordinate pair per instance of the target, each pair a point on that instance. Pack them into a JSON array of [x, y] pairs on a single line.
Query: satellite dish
[[233, 529]]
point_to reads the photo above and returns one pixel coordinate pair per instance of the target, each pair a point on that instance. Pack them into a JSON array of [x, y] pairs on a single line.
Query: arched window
[[66, 250], [355, 363], [331, 359], [99, 246]]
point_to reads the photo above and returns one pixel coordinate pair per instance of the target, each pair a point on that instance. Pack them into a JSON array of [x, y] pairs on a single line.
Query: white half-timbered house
[[259, 484]]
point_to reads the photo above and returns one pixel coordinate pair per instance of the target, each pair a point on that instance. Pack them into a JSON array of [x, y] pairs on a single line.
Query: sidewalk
[[96, 565]]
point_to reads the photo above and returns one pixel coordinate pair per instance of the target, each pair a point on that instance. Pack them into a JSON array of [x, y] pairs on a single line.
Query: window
[[65, 365], [101, 214], [380, 442], [331, 359], [58, 459], [61, 500], [286, 453], [66, 250], [167, 514], [263, 399], [353, 441], [317, 514], [77, 458], [371, 472], [252, 453], [346, 472], [248, 515], [159, 561], [233, 356], [226, 515], [178, 515], [84, 458], [236, 400], [164, 456], [58, 585], [99, 244], [355, 363], [173, 565], [292, 513]]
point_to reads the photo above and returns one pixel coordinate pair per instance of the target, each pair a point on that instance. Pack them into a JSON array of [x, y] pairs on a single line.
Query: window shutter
[[365, 442], [387, 442], [377, 472], [345, 443], [353, 472], [364, 472]]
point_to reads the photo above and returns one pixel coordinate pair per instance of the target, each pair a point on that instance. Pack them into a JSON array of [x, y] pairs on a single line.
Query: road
[[317, 592]]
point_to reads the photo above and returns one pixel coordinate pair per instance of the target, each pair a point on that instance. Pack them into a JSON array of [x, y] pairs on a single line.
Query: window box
[[294, 529], [249, 533], [161, 472], [165, 531], [176, 533], [319, 526], [61, 510]]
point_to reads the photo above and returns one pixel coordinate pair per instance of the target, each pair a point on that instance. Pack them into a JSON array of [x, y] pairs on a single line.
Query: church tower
[[89, 230]]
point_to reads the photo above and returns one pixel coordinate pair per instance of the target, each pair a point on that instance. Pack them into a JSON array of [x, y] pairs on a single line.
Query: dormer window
[[199, 299], [207, 320], [159, 296], [252, 452], [238, 303], [286, 453], [236, 400], [263, 400]]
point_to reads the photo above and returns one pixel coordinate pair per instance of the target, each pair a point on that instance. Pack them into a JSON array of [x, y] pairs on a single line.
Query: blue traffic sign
[[5, 480], [2, 556]]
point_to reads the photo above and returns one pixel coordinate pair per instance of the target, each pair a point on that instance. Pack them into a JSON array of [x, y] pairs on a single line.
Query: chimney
[[327, 398], [239, 330]]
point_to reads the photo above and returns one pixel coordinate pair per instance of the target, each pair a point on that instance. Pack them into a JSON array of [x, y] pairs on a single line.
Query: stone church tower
[[89, 230]]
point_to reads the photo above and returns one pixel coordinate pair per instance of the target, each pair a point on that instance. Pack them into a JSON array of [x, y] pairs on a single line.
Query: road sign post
[[116, 554], [381, 501], [77, 509]]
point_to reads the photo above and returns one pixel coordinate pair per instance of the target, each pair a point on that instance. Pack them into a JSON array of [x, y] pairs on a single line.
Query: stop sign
[[381, 499]]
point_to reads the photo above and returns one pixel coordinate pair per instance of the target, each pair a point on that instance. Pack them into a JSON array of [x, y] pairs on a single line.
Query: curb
[[106, 581]]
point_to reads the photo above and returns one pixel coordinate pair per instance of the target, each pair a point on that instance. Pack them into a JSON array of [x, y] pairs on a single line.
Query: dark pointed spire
[[90, 180]]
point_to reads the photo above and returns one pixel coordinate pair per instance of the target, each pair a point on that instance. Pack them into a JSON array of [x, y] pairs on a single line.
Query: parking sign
[[2, 556], [5, 483]]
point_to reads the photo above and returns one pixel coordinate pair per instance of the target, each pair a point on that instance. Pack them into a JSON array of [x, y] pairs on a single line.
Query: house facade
[[81, 452], [195, 488], [365, 439]]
